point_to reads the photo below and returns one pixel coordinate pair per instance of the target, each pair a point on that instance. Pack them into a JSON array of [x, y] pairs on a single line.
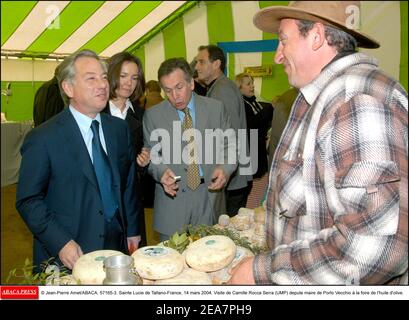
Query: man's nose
[[278, 58]]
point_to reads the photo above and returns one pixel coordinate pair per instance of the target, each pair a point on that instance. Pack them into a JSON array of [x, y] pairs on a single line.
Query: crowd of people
[[331, 155]]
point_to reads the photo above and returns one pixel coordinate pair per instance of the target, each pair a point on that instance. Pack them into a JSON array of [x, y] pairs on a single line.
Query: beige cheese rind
[[89, 268], [188, 276], [157, 262], [210, 253], [223, 275]]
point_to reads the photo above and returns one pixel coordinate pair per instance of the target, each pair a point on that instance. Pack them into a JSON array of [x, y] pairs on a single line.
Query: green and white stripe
[[158, 30]]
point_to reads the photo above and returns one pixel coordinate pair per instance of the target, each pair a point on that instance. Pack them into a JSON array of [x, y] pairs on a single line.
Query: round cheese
[[147, 282], [224, 220], [68, 280], [188, 276], [210, 253], [89, 268], [249, 233], [246, 212], [223, 275], [241, 222], [157, 262]]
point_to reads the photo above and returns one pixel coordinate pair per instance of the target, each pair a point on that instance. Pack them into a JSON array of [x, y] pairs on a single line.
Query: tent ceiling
[[57, 28]]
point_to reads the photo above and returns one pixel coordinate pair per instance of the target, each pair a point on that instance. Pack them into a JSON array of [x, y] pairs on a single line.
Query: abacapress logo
[[19, 292]]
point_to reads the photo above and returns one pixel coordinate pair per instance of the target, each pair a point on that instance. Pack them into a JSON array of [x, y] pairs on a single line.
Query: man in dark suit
[[177, 201], [59, 190], [47, 101]]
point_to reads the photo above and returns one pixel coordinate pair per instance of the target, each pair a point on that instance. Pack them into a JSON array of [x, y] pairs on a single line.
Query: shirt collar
[[115, 111], [84, 122], [191, 104], [332, 71]]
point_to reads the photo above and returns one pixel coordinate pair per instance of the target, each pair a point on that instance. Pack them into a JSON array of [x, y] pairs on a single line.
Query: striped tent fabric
[[39, 32]]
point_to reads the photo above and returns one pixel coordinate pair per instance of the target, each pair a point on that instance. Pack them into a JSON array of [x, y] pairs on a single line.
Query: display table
[[12, 137]]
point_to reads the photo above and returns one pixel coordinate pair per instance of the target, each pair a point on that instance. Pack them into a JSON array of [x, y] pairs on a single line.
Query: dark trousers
[[114, 236], [236, 199]]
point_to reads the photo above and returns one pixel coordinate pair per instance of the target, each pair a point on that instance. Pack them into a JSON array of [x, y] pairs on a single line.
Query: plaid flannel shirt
[[337, 202]]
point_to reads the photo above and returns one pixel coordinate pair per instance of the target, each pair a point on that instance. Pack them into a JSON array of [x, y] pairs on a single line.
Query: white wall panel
[[154, 56], [195, 21], [381, 20], [244, 30], [27, 70]]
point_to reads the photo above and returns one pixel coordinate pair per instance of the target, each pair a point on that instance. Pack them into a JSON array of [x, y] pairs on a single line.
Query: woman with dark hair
[[126, 86]]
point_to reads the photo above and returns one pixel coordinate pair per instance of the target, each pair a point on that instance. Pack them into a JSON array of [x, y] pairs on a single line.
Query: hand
[[243, 272], [219, 179], [70, 253], [133, 243], [143, 158], [169, 183]]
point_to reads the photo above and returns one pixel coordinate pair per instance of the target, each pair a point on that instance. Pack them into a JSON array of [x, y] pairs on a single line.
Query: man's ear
[[217, 64], [68, 88], [318, 36]]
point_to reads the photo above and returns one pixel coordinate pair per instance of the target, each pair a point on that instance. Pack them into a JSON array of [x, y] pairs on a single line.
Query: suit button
[[100, 212], [185, 169], [183, 190], [101, 235]]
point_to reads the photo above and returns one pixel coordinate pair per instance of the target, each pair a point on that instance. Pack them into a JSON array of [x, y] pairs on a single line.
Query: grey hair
[[337, 38], [66, 70], [170, 65]]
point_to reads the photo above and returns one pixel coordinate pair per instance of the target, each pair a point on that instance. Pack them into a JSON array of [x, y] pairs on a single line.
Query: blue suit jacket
[[57, 192]]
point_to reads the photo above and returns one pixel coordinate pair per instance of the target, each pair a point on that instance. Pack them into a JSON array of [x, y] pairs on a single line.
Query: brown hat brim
[[268, 20]]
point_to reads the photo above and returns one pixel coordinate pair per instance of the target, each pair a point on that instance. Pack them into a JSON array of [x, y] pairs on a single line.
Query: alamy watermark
[[215, 146], [52, 20], [353, 19]]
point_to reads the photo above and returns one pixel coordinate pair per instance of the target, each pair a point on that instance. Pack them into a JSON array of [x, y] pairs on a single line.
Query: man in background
[[152, 94], [47, 101], [210, 66]]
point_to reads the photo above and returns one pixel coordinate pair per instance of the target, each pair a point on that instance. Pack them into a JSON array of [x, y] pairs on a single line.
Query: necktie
[[193, 177], [103, 173]]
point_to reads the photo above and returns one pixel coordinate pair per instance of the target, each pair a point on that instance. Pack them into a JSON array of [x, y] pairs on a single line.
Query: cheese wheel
[[89, 268], [224, 220], [247, 212], [68, 280], [188, 276], [223, 275], [157, 262], [210, 253], [241, 222], [147, 282], [249, 233]]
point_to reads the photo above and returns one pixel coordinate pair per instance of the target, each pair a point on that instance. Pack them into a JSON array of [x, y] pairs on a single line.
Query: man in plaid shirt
[[337, 202]]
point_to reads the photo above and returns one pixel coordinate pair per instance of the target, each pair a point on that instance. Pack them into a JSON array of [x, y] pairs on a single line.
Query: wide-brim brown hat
[[338, 14]]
